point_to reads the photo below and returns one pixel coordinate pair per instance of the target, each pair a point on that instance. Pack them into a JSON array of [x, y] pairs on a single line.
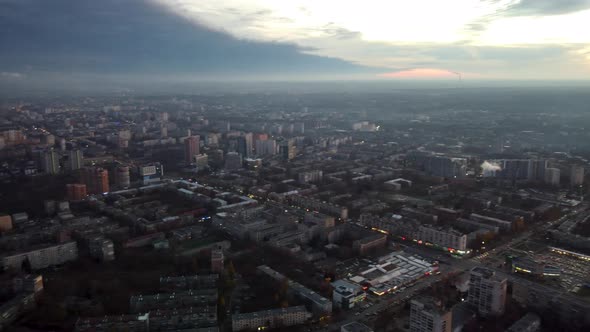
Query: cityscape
[[454, 202]]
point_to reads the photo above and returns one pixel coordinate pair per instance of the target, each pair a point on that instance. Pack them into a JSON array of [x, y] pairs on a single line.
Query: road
[[456, 265]]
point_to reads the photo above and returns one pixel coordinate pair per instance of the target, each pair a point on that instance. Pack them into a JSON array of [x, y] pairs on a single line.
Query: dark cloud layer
[[547, 7], [134, 37]]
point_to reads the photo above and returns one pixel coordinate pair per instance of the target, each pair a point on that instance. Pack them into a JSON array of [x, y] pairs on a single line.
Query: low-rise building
[[42, 257], [101, 248], [347, 295], [355, 327], [369, 243], [310, 176], [132, 323], [528, 323], [533, 267], [205, 281], [443, 237], [275, 318], [162, 301], [319, 305]]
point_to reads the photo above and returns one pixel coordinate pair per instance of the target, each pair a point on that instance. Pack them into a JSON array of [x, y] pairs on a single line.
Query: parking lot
[[574, 272]]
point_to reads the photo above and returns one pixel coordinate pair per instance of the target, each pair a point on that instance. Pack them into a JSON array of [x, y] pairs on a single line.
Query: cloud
[[546, 7], [483, 37], [11, 75], [216, 39], [135, 37]]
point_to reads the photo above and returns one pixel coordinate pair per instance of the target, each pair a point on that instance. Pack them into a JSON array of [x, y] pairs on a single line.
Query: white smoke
[[490, 168]]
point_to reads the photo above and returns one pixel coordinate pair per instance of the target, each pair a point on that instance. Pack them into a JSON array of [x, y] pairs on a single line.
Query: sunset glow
[[420, 73]]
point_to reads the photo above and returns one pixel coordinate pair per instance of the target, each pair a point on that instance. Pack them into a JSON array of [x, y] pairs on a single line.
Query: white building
[[42, 257], [346, 294], [201, 160], [310, 176], [552, 176], [75, 160], [576, 175], [275, 318], [50, 162], [447, 238], [393, 271], [426, 315], [487, 291]]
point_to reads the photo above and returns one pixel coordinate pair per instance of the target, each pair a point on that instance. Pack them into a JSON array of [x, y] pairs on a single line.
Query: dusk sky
[[295, 39]]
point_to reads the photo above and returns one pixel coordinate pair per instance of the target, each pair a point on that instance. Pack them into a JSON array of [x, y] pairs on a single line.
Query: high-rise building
[[516, 169], [217, 260], [76, 192], [576, 175], [427, 315], [287, 149], [260, 137], [233, 161], [50, 162], [487, 291], [96, 180], [299, 128], [75, 160], [191, 148], [122, 178], [201, 160], [244, 145], [266, 147], [538, 169], [552, 176], [438, 164], [62, 144]]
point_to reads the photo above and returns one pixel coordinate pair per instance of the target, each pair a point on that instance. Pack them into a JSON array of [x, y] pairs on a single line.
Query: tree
[[231, 270], [26, 265], [195, 264]]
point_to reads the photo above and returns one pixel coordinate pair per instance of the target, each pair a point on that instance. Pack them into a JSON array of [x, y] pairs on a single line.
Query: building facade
[[76, 192], [426, 315], [191, 148], [275, 318], [487, 291], [42, 257], [448, 238]]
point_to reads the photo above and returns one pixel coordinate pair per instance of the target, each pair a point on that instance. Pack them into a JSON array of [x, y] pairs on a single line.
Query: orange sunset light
[[421, 73]]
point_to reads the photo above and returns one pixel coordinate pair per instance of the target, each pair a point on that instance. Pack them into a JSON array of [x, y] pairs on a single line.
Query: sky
[[73, 42]]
